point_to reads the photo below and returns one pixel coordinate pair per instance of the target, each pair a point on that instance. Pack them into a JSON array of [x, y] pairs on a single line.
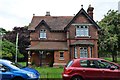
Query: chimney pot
[[90, 5], [90, 11], [33, 14], [47, 13]]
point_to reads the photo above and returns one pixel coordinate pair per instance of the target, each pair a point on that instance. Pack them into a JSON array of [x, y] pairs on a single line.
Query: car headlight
[[31, 75]]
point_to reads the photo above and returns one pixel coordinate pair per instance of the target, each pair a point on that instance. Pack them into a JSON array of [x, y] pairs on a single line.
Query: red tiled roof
[[49, 46], [54, 22]]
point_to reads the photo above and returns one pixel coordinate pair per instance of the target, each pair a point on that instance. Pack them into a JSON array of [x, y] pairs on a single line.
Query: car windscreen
[[70, 63]]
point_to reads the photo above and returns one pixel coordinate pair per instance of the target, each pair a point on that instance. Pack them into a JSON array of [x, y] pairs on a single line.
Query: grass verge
[[50, 72], [110, 59]]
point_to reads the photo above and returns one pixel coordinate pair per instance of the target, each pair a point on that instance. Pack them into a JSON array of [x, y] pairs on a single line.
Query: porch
[[41, 58], [50, 55]]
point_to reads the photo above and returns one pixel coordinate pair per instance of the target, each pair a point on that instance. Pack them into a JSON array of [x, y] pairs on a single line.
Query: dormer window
[[82, 31], [42, 34]]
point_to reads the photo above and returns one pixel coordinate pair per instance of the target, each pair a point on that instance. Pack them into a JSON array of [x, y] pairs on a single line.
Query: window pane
[[42, 33], [83, 52], [82, 31], [61, 55], [86, 32], [77, 32]]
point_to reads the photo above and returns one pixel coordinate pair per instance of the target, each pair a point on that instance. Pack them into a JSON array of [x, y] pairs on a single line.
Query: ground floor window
[[61, 55], [83, 52]]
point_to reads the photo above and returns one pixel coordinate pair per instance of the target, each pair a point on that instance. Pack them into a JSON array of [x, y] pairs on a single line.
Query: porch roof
[[82, 42], [49, 46]]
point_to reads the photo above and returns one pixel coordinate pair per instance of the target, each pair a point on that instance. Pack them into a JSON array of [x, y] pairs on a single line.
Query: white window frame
[[42, 34], [75, 52], [82, 30], [83, 52]]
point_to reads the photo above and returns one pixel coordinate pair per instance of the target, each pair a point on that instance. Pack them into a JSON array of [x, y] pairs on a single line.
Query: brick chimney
[[90, 11], [47, 13]]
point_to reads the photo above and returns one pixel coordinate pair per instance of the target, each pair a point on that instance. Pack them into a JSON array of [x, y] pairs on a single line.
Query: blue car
[[13, 71]]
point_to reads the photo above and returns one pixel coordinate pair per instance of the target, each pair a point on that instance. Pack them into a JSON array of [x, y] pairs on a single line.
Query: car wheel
[[76, 78], [18, 78]]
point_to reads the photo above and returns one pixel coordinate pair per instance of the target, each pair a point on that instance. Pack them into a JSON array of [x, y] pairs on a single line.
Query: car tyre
[[76, 78], [18, 78]]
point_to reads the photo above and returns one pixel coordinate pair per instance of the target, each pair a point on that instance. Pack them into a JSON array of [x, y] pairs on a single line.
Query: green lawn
[[110, 59], [49, 72], [22, 63]]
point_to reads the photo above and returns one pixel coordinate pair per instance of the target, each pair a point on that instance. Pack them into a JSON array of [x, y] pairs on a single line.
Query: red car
[[91, 69]]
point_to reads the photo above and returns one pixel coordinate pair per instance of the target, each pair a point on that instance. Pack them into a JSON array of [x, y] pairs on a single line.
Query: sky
[[18, 13]]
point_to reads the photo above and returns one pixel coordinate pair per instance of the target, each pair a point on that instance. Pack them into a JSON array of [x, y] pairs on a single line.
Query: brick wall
[[58, 61]]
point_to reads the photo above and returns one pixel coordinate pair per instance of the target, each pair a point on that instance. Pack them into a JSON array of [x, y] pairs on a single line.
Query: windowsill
[[75, 57], [82, 36], [61, 59], [42, 38]]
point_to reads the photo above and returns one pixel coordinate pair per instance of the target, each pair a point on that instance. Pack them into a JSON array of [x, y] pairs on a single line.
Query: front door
[[83, 52], [47, 58]]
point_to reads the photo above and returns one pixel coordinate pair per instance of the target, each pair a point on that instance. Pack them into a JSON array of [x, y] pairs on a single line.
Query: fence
[[51, 76]]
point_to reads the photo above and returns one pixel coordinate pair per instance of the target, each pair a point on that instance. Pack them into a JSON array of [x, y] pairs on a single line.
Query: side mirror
[[112, 68], [3, 69]]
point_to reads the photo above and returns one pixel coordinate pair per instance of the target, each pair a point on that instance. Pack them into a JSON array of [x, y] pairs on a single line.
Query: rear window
[[69, 64]]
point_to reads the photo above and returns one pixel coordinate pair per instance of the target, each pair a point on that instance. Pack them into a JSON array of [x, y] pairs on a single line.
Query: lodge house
[[55, 40]]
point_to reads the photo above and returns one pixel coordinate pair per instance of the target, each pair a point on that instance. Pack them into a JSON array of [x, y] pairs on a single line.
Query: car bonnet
[[31, 70]]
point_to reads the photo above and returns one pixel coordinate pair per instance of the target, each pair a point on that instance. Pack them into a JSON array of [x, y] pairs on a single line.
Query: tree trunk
[[114, 56]]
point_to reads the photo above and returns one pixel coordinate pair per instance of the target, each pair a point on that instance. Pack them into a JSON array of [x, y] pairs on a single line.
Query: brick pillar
[[89, 52], [93, 52]]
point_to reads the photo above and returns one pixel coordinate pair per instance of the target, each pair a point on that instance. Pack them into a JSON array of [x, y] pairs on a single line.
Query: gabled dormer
[[83, 24], [42, 29]]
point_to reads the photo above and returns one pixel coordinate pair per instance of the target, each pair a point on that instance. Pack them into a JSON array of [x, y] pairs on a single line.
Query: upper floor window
[[82, 31], [42, 33]]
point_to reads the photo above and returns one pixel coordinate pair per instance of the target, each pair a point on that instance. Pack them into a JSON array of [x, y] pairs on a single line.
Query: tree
[[8, 50], [23, 39], [110, 34]]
